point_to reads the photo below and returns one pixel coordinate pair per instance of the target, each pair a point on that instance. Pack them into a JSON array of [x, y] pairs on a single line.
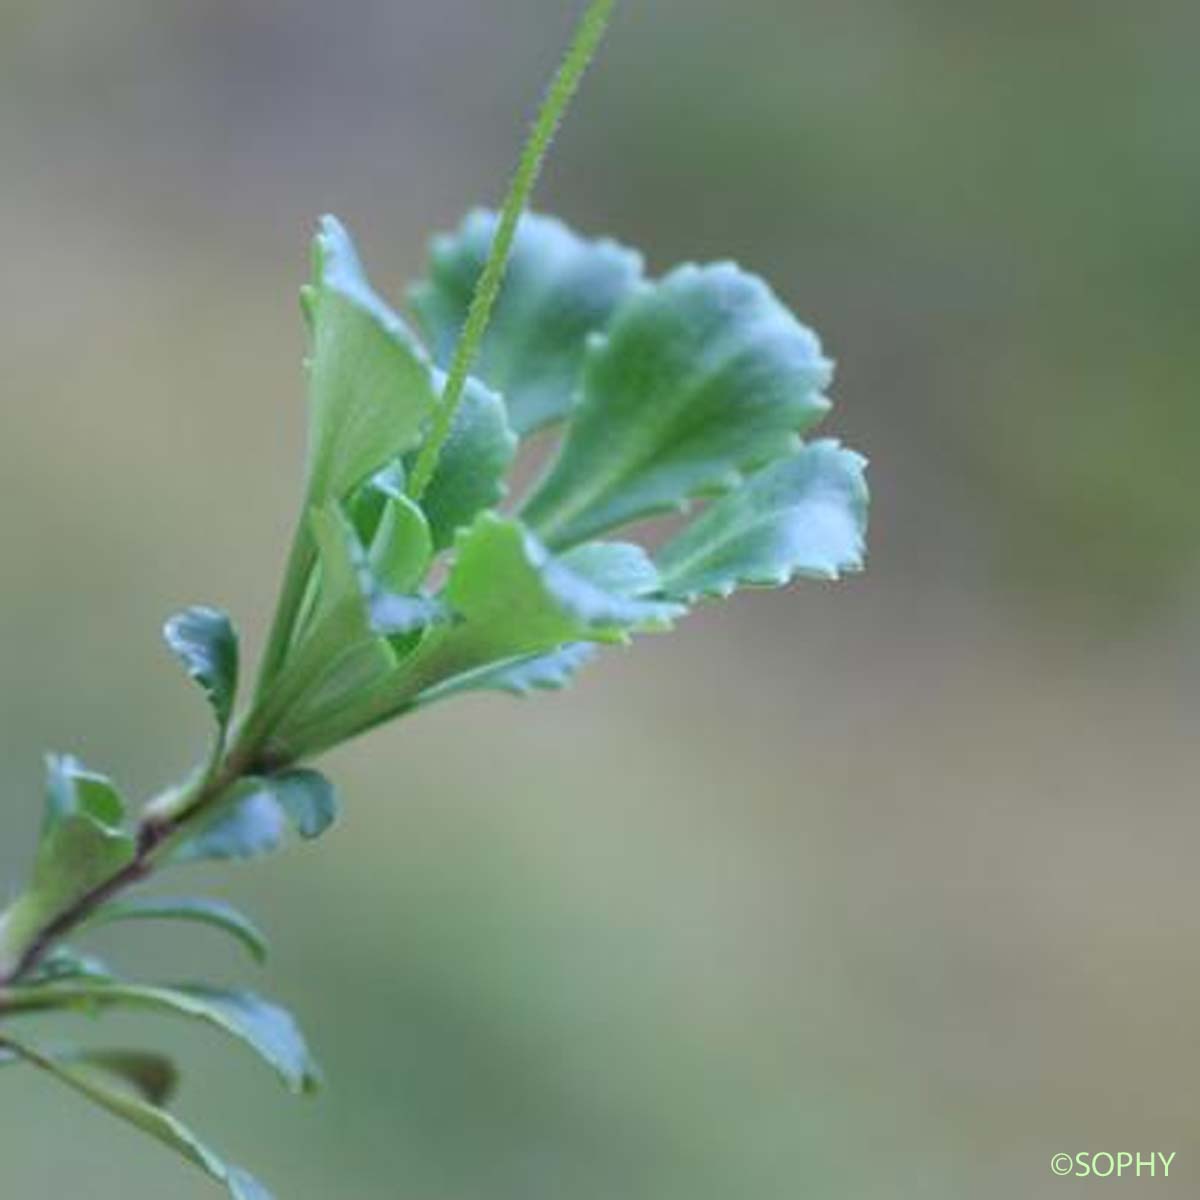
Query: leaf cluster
[[689, 394]]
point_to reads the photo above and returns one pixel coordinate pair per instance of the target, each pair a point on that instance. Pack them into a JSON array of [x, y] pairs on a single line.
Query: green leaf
[[618, 567], [370, 383], [517, 676], [248, 825], [340, 652], [558, 289], [266, 1028], [62, 962], [512, 601], [401, 548], [204, 640], [147, 1117], [253, 822], [153, 1076], [805, 515], [472, 466], [72, 789], [215, 913], [515, 598], [703, 377], [82, 846], [308, 798], [366, 503]]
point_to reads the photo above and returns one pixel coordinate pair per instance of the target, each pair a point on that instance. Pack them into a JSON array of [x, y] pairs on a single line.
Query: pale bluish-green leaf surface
[[147, 1117], [307, 797], [254, 821], [198, 910], [247, 825], [558, 289], [204, 640], [703, 377], [622, 568], [518, 676], [474, 461], [266, 1028], [805, 515], [370, 382]]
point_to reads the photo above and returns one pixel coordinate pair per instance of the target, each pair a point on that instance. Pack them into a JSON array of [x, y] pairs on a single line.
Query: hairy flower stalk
[[408, 584]]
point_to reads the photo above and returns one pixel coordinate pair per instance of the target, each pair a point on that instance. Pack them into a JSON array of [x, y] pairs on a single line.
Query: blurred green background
[[882, 890]]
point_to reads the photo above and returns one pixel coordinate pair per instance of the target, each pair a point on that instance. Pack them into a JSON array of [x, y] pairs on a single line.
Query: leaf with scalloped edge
[[204, 640], [517, 676], [559, 289], [804, 515], [371, 383], [622, 568], [471, 469], [703, 377], [511, 600], [515, 598], [150, 1119], [255, 818]]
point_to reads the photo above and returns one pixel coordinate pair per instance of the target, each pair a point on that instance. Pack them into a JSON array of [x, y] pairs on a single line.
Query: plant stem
[[558, 98], [155, 831], [152, 834]]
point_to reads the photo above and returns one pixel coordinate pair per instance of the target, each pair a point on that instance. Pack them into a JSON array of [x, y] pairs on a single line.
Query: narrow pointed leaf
[[150, 1119], [370, 383], [703, 377], [559, 288], [805, 515], [204, 640], [266, 1028], [214, 913], [153, 1076]]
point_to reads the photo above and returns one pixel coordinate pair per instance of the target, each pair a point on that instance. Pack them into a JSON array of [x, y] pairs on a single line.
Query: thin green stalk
[[558, 98]]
